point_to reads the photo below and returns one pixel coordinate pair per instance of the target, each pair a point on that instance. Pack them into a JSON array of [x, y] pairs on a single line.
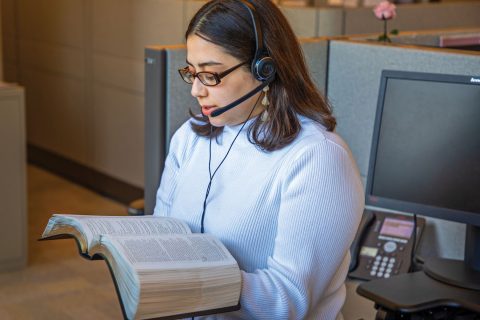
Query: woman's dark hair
[[227, 23]]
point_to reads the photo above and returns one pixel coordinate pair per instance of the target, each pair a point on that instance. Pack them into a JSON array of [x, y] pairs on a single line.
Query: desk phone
[[383, 245]]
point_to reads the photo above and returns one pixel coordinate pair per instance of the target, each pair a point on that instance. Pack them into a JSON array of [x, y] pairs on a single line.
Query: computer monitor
[[425, 158]]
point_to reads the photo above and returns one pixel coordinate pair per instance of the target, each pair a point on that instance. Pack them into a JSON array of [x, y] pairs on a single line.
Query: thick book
[[160, 268]]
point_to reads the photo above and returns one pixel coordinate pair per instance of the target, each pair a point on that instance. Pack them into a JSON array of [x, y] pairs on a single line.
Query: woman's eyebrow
[[206, 64]]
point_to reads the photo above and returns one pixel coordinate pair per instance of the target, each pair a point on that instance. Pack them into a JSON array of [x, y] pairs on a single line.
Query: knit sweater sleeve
[[322, 200]]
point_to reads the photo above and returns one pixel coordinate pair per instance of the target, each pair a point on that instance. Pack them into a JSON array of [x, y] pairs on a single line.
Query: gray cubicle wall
[[429, 38], [168, 99], [354, 79], [353, 84], [413, 17]]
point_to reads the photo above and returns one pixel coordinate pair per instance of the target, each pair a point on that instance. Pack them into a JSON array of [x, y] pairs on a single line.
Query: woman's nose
[[198, 89]]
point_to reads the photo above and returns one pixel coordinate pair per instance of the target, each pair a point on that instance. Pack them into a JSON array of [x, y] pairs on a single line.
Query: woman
[[268, 177]]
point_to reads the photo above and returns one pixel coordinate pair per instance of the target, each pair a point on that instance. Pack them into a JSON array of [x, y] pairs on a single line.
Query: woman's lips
[[207, 110]]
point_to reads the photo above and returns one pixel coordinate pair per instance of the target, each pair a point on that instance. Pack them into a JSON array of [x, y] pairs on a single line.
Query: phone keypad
[[383, 266]]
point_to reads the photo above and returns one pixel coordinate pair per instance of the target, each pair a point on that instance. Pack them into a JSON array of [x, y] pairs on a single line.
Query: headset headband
[[263, 67]]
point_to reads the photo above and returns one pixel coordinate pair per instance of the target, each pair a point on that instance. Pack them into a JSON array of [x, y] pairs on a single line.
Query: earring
[[264, 116], [265, 101], [265, 104]]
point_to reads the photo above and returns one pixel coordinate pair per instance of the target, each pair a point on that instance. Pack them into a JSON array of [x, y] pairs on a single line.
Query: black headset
[[263, 66], [263, 69]]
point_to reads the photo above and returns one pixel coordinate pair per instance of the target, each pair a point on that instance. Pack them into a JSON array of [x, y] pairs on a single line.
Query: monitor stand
[[463, 274]]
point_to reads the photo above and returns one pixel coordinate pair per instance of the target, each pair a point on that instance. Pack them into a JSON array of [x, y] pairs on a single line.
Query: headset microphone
[[235, 103]]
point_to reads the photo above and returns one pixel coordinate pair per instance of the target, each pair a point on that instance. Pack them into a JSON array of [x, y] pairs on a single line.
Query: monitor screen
[[426, 147]]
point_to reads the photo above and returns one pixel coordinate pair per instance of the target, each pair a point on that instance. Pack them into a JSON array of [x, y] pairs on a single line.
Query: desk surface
[[413, 292]]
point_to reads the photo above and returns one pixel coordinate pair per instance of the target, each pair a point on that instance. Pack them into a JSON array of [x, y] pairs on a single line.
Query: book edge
[[100, 256]]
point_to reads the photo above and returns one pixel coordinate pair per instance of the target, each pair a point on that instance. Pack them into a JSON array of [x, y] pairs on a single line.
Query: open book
[[160, 269]]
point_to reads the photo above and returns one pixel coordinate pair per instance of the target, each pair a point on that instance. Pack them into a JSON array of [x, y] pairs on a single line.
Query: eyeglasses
[[207, 78]]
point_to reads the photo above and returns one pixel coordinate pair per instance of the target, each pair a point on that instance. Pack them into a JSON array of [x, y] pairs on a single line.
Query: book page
[[91, 227], [133, 225], [170, 251]]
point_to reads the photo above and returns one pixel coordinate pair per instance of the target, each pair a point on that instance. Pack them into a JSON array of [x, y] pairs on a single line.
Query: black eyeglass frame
[[218, 76]]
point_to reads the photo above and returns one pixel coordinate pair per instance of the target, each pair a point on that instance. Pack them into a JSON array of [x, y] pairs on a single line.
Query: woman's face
[[203, 55]]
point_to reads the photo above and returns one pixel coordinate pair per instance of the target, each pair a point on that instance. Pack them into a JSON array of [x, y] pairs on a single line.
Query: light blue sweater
[[288, 216]]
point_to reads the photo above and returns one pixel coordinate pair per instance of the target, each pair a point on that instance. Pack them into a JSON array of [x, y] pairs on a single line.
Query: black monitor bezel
[[472, 218]]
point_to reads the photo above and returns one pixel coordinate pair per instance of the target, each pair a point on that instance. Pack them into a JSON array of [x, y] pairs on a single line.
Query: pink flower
[[385, 10]]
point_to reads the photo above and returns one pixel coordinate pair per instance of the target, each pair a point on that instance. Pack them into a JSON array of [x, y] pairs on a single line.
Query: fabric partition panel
[[154, 119], [316, 52], [167, 101], [353, 85], [354, 79], [414, 17]]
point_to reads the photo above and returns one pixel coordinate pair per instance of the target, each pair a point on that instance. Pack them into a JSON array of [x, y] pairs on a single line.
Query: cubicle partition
[[454, 38], [354, 79], [168, 101], [353, 84], [415, 16]]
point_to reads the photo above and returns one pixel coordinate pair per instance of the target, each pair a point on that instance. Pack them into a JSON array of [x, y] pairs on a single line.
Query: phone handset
[[367, 219]]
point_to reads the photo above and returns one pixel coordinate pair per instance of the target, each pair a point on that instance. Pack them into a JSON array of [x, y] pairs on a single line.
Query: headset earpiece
[[263, 66]]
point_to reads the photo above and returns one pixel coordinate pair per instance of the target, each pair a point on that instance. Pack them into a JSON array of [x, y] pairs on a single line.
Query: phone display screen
[[397, 228], [368, 251]]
